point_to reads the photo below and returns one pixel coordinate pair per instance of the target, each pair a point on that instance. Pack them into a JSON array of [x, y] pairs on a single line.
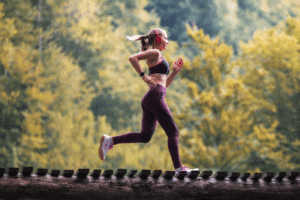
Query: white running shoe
[[105, 145], [184, 168]]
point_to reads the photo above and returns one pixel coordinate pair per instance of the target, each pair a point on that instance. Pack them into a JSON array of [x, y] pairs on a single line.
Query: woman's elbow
[[132, 59]]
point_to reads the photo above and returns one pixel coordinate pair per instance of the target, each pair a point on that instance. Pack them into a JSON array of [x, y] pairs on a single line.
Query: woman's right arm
[[145, 55]]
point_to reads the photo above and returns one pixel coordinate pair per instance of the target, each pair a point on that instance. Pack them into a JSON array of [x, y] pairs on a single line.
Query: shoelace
[[110, 145]]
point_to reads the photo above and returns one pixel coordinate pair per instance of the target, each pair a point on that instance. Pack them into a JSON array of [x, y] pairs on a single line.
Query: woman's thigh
[[164, 116], [149, 124]]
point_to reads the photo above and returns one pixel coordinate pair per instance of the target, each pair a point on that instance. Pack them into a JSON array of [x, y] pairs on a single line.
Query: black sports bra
[[161, 68]]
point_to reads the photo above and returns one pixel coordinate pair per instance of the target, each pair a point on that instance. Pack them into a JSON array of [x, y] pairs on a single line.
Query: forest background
[[65, 80]]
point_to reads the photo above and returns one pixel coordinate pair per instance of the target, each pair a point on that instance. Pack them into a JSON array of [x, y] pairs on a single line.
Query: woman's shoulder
[[155, 61], [147, 55], [154, 51]]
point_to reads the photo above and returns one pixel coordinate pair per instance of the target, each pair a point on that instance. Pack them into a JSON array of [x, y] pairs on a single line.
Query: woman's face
[[164, 41]]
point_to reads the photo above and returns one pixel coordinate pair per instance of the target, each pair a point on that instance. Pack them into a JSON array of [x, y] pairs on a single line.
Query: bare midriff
[[158, 78]]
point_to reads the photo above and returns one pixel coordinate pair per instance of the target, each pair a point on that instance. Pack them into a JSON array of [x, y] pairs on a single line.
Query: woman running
[[153, 104]]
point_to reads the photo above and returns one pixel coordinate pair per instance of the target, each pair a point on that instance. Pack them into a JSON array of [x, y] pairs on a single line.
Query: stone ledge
[[145, 185]]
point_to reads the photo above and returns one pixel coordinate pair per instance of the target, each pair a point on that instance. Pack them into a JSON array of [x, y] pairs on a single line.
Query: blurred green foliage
[[231, 20], [65, 80]]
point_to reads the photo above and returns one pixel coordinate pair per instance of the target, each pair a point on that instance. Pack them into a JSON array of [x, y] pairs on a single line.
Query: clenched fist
[[178, 65]]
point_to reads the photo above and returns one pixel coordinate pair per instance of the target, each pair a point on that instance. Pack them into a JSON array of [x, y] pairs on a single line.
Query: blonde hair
[[147, 39]]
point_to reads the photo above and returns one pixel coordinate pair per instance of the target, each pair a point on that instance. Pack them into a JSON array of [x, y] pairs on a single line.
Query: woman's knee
[[146, 137], [173, 133]]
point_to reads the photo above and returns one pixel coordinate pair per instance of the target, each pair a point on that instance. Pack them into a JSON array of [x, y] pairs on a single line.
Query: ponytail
[[145, 45]]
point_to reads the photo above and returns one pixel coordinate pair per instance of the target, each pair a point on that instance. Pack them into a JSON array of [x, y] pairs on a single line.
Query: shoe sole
[[100, 148]]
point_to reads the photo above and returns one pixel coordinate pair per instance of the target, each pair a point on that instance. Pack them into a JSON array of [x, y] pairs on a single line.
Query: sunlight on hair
[[135, 37]]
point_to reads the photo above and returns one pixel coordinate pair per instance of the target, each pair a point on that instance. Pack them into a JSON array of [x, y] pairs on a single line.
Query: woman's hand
[[149, 80], [178, 65]]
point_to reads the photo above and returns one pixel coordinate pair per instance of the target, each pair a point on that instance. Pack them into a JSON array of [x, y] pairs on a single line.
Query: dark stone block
[[193, 174], [206, 174], [256, 176], [234, 176], [121, 173], [27, 171], [82, 173], [96, 173], [55, 172], [132, 173], [181, 175], [2, 171], [268, 177], [107, 173], [156, 174], [168, 175], [293, 175], [220, 175], [41, 172], [245, 176], [144, 174], [13, 171], [280, 176]]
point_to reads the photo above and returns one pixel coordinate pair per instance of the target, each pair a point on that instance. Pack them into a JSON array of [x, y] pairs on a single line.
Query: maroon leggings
[[155, 109]]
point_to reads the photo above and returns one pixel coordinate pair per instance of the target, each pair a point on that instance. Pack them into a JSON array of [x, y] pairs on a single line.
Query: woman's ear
[[157, 39]]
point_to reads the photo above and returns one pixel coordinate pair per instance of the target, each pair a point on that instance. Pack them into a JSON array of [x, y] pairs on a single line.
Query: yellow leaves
[[193, 90], [15, 94], [1, 9], [293, 27], [216, 55], [7, 26], [232, 104], [223, 156], [16, 60], [272, 50], [197, 62], [226, 126], [12, 97], [8, 29], [256, 170], [103, 126], [230, 153], [34, 141], [232, 87], [32, 123], [206, 99], [274, 125], [194, 33], [262, 72], [45, 97], [209, 56], [224, 53], [264, 134], [203, 40], [296, 143], [55, 83], [4, 97]]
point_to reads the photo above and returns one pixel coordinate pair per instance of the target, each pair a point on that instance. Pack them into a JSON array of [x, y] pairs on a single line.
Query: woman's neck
[[158, 48]]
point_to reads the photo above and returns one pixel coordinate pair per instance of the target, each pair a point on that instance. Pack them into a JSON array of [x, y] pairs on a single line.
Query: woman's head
[[157, 38]]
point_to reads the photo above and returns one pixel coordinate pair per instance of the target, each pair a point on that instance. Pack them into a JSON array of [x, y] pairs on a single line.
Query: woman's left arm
[[171, 78], [176, 68]]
